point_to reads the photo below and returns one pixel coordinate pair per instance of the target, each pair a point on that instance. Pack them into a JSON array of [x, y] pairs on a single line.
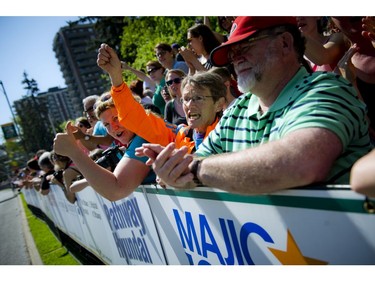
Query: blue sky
[[27, 46]]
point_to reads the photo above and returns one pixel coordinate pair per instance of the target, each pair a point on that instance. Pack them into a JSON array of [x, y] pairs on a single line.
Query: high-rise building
[[78, 63], [60, 107]]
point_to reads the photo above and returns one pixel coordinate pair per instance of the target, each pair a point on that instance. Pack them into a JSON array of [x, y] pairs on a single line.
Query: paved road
[[14, 235]]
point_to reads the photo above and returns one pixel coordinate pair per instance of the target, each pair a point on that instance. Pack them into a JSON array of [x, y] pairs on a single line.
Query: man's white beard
[[245, 82]]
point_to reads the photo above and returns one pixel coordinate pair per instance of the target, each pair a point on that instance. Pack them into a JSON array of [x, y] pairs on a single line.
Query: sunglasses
[[102, 99], [175, 80], [152, 70]]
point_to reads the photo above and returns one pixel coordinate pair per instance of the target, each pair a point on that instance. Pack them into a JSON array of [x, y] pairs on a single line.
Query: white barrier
[[208, 226]]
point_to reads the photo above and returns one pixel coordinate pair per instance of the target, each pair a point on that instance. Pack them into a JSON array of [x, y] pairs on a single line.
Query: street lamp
[[14, 119], [10, 107]]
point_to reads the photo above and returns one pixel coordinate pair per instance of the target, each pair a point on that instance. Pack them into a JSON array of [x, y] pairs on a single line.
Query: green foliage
[[142, 34], [134, 38], [61, 127], [16, 154]]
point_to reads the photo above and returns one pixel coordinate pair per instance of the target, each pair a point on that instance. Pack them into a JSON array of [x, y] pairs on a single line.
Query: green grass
[[49, 247]]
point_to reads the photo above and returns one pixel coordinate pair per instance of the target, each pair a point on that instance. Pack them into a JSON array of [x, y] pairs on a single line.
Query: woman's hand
[[65, 143]]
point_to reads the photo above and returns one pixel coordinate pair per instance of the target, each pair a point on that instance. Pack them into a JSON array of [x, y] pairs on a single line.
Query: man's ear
[[287, 41]]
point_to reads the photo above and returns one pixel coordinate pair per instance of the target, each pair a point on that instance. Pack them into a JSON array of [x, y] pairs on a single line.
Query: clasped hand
[[170, 164]]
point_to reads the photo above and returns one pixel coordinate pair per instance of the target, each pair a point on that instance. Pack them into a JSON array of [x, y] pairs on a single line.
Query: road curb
[[30, 244]]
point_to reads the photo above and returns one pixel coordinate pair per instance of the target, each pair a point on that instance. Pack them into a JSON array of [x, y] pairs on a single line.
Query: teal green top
[[157, 98], [130, 153]]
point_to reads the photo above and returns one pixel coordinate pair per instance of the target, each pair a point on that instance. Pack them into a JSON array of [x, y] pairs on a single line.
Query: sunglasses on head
[[152, 70], [175, 80], [101, 100]]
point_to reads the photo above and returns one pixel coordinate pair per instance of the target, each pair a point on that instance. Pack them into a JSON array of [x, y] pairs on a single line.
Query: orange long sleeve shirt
[[133, 116], [148, 126]]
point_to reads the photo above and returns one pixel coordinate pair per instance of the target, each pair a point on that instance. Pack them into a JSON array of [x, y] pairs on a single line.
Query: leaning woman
[[129, 173]]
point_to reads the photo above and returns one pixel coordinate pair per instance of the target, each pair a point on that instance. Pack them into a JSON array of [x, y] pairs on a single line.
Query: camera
[[110, 158], [59, 176]]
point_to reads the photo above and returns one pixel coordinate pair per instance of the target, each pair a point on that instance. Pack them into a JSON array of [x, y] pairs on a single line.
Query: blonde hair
[[102, 106], [179, 72]]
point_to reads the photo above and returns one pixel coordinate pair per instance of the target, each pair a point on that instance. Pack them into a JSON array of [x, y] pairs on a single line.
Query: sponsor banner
[[208, 226], [66, 214], [132, 228], [95, 225]]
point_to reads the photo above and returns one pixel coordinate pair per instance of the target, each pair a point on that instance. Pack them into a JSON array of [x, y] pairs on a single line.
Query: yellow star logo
[[293, 255]]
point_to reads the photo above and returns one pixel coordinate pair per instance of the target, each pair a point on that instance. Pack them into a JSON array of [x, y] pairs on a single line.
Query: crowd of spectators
[[271, 103]]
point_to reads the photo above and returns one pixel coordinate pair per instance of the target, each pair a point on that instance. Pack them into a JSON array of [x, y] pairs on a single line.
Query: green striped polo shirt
[[320, 99]]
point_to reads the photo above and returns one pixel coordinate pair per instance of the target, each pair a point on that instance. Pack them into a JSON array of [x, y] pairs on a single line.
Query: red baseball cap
[[243, 28]]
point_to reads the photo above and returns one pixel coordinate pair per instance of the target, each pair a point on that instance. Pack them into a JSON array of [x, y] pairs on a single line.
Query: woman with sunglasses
[[167, 58], [174, 112], [157, 74]]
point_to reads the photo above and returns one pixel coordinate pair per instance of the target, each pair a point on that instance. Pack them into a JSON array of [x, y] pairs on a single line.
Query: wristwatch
[[87, 137], [194, 171]]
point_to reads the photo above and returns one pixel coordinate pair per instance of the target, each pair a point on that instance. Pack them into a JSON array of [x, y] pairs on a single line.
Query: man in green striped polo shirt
[[290, 128]]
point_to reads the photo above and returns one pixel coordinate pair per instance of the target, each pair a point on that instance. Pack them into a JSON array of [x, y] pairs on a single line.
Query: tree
[[33, 119]]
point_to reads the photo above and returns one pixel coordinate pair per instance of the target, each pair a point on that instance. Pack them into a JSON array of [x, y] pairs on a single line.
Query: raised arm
[[141, 75], [131, 113], [328, 53]]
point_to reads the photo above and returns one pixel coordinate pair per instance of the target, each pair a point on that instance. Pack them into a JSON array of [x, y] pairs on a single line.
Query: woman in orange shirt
[[203, 97]]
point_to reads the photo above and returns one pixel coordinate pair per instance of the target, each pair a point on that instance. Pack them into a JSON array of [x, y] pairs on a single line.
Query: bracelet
[[194, 170]]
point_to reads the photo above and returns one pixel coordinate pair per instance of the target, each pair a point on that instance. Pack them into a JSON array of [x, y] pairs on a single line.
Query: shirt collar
[[285, 96]]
